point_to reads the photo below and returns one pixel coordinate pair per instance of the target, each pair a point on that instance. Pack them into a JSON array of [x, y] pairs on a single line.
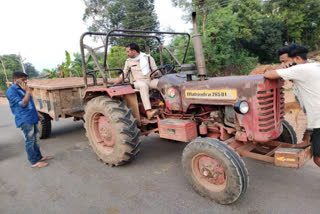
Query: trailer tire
[[112, 131], [288, 134], [45, 126], [215, 170]]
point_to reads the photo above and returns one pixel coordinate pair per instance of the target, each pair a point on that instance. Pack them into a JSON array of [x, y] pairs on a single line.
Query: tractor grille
[[281, 103], [270, 108]]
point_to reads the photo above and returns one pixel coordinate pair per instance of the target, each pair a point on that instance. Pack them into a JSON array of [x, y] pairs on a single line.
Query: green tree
[[223, 26], [71, 68], [103, 14], [12, 64], [126, 14], [301, 18], [50, 73], [117, 57], [30, 70], [236, 33], [76, 64], [4, 76], [140, 15], [64, 67], [178, 46], [223, 50], [266, 39]]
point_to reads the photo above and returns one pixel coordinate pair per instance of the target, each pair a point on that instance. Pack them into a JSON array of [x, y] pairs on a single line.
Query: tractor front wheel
[[288, 134], [112, 131], [215, 170]]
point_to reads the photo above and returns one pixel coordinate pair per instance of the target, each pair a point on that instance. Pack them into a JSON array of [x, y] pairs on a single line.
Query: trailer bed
[[60, 97]]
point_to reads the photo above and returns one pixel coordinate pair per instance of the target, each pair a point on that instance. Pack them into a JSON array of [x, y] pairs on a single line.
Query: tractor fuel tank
[[179, 130]]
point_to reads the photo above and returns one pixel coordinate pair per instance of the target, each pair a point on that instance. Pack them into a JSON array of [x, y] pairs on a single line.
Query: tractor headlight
[[241, 107]]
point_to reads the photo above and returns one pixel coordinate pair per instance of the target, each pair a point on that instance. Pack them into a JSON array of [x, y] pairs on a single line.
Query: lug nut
[[205, 173]]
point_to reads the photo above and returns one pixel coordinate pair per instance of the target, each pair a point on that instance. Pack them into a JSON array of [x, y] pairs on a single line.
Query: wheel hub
[[211, 170], [105, 131], [103, 135]]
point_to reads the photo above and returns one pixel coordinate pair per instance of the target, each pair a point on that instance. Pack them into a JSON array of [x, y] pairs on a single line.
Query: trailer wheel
[[288, 134], [45, 126], [214, 170], [112, 131]]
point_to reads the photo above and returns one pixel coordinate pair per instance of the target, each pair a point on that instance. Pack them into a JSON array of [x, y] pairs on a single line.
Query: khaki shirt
[[134, 66]]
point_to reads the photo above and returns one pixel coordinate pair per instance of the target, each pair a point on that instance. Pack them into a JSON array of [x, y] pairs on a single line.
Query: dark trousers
[[315, 140]]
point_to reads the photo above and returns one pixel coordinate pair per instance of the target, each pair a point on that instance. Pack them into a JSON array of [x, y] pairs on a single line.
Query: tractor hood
[[214, 91], [265, 99], [220, 90]]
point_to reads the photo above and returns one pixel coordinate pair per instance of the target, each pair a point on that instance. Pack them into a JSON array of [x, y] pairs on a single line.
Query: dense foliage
[[11, 63], [237, 34], [126, 14]]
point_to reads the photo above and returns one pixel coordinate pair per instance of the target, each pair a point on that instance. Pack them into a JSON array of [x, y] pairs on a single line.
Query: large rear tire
[[112, 131], [288, 134], [45, 126], [215, 170]]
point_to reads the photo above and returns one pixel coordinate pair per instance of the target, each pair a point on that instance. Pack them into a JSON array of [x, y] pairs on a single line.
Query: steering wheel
[[162, 69]]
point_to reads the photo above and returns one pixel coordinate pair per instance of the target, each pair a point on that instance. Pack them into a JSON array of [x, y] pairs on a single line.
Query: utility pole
[[24, 71]]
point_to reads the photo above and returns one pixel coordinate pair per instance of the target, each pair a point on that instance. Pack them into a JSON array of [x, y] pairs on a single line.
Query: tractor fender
[[115, 91]]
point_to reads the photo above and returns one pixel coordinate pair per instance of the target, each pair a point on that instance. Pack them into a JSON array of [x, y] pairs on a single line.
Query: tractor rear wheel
[[215, 170], [112, 131], [288, 134], [45, 126]]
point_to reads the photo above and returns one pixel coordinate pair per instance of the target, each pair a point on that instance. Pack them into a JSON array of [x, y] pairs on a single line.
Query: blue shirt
[[23, 114]]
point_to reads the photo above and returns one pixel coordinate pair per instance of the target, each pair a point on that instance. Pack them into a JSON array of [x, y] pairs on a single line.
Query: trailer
[[58, 98]]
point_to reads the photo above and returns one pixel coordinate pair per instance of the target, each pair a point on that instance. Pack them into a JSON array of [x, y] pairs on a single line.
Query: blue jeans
[[31, 135]]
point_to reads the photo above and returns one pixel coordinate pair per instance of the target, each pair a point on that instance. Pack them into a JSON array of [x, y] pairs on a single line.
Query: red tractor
[[220, 118]]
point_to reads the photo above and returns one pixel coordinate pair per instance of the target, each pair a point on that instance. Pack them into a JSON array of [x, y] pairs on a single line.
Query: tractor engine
[[249, 108]]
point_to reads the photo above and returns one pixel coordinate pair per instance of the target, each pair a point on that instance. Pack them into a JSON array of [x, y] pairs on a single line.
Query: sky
[[41, 30]]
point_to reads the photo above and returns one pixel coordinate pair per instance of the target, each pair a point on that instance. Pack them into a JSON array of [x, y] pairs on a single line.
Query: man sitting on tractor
[[141, 65]]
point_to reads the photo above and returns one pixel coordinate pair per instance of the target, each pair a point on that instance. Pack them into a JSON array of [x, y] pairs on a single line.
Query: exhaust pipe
[[198, 49]]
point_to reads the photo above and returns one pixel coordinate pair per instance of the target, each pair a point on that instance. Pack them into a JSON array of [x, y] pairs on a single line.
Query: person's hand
[[24, 86], [306, 135], [153, 75], [288, 64], [41, 117], [284, 65]]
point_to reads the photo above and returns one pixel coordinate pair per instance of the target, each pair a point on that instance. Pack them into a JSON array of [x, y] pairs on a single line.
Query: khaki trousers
[[144, 86]]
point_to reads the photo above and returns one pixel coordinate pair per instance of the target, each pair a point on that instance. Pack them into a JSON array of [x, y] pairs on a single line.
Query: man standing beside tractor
[[141, 64], [26, 118], [306, 80]]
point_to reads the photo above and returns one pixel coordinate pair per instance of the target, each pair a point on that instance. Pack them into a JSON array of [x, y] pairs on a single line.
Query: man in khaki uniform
[[141, 66]]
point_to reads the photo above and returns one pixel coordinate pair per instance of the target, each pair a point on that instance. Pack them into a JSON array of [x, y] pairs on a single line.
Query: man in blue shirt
[[26, 117]]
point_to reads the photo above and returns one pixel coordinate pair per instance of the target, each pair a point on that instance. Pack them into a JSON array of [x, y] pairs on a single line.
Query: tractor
[[220, 118]]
